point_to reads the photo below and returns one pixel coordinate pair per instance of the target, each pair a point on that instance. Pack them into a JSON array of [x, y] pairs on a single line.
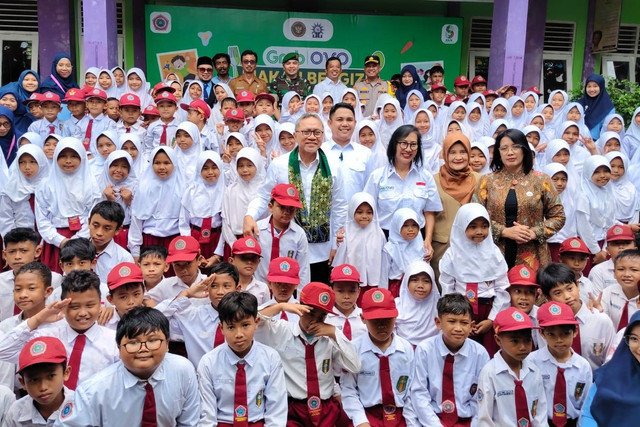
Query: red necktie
[[205, 230], [87, 135], [388, 398], [240, 412], [522, 407], [576, 345], [275, 243], [283, 315], [560, 400], [472, 296], [346, 329], [52, 129], [163, 137], [624, 319], [314, 404], [449, 414], [128, 130], [74, 361], [16, 310], [219, 339], [32, 202], [149, 418]]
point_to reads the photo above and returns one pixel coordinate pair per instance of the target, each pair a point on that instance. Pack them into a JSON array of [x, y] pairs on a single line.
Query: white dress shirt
[[154, 133], [15, 214], [338, 320], [7, 281], [6, 400], [426, 385], [496, 394], [7, 369], [336, 89], [136, 128], [266, 388], [291, 317], [115, 394], [43, 127], [601, 276], [355, 161], [23, 413], [155, 227], [111, 256], [596, 336], [613, 301], [170, 287], [48, 224], [100, 124], [496, 289]]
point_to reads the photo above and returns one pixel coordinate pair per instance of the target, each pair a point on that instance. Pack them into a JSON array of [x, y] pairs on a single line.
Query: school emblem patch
[[480, 395], [577, 392], [259, 399], [240, 413], [401, 385], [206, 233], [597, 348], [37, 348], [617, 230], [234, 112], [347, 271], [180, 244], [284, 266], [389, 409], [251, 243], [67, 410], [96, 92], [325, 365], [130, 97], [555, 310], [574, 243], [291, 192], [244, 93], [524, 273], [473, 389], [471, 295], [165, 94], [49, 95], [518, 317], [523, 422], [448, 406], [324, 298], [559, 410], [313, 403], [377, 296], [71, 92], [124, 271]]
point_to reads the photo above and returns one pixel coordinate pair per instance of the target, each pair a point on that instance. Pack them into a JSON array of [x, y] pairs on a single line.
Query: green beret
[[290, 56]]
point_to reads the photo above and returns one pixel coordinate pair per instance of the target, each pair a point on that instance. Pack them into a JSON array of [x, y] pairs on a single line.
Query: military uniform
[[283, 84]]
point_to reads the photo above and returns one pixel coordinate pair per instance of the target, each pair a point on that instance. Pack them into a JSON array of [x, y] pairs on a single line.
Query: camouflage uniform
[[283, 84]]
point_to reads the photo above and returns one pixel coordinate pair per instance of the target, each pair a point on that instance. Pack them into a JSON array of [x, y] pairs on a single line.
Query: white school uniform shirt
[[100, 124], [7, 369], [6, 400], [155, 227], [338, 320], [111, 256], [23, 412], [7, 281], [426, 384], [43, 127], [577, 375], [278, 173], [496, 394], [596, 336], [209, 139], [293, 244], [331, 356], [492, 289], [335, 89], [356, 164], [114, 395], [258, 289], [170, 287], [291, 317], [56, 295], [15, 214], [266, 387], [152, 138], [586, 286], [613, 301], [590, 233], [417, 191], [121, 129], [99, 351], [601, 276], [364, 389], [69, 126]]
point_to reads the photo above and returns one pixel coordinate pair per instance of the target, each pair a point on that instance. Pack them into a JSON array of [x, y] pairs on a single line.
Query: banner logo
[[308, 29]]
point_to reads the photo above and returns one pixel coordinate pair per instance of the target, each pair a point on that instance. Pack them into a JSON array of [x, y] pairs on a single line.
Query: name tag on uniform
[[422, 184], [504, 393], [74, 223]]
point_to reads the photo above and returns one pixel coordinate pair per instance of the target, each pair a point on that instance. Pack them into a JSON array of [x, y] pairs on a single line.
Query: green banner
[[177, 35]]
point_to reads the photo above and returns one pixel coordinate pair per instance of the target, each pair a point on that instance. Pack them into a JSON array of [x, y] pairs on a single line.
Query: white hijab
[[240, 193], [142, 92], [112, 91], [130, 182], [504, 103], [202, 199], [467, 261], [558, 115], [386, 129], [403, 252], [598, 202], [158, 198], [449, 118], [378, 153], [416, 318], [479, 128], [608, 120], [517, 122], [626, 195], [496, 124], [358, 108], [97, 162], [631, 139], [485, 151], [69, 194], [573, 176], [582, 126], [286, 100], [263, 119], [409, 114], [188, 158], [18, 187], [529, 114], [362, 247], [578, 153], [96, 72], [284, 127], [604, 137], [33, 138], [186, 97], [138, 164], [568, 203], [431, 147]]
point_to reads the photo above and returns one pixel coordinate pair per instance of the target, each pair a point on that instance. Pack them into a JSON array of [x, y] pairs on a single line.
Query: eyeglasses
[[6, 125], [249, 61], [133, 347], [514, 148], [406, 144], [308, 132], [632, 340], [205, 70]]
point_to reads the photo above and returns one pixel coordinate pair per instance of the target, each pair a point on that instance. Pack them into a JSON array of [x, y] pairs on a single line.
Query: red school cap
[[450, 100], [461, 81], [165, 96], [286, 195], [198, 105], [151, 110], [318, 295], [162, 87], [234, 114], [74, 94], [123, 273], [490, 92], [245, 96], [50, 97], [438, 85], [265, 95], [555, 313], [574, 244], [284, 270], [478, 79], [41, 350], [512, 319], [535, 89], [96, 93], [183, 248], [129, 100], [522, 275], [512, 88], [246, 245], [620, 233], [378, 304], [345, 273], [35, 97]]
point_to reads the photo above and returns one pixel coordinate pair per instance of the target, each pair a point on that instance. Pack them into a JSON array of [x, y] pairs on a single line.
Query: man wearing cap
[[318, 179], [478, 84], [372, 86], [221, 62], [461, 87], [289, 80], [248, 79], [205, 74], [331, 84]]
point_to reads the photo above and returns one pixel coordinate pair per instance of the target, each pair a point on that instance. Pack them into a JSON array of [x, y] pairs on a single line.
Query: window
[[18, 38], [624, 64]]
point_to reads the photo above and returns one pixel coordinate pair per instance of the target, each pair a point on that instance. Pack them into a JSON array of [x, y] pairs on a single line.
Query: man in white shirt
[[332, 83]]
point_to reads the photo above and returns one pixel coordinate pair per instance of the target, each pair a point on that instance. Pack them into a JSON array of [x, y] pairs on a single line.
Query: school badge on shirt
[[577, 393], [325, 366], [259, 399], [597, 348], [401, 385]]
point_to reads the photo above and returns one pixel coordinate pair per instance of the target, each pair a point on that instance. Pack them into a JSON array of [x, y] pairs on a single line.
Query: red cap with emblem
[[490, 92], [199, 105], [478, 79], [165, 96], [162, 86], [245, 96], [150, 110], [129, 100], [183, 248], [522, 275], [344, 273], [234, 114], [50, 97], [574, 244], [96, 93], [284, 270], [318, 295], [555, 313], [286, 195], [620, 233], [246, 245], [123, 273], [512, 319], [535, 89], [378, 304], [438, 85], [450, 100], [461, 81], [74, 94], [41, 350], [37, 97]]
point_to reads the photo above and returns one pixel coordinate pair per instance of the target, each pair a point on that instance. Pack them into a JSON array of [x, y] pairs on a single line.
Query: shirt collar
[[131, 380], [501, 366], [444, 351], [315, 160], [582, 314], [92, 334], [368, 345], [233, 359], [391, 170]]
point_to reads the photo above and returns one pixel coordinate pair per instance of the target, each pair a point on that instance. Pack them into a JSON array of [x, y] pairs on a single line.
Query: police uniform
[[368, 93]]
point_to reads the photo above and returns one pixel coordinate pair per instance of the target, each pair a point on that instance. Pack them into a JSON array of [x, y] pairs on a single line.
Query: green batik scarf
[[315, 219]]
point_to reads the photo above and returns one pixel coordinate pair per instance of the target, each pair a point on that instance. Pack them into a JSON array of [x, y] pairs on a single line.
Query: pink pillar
[[100, 33]]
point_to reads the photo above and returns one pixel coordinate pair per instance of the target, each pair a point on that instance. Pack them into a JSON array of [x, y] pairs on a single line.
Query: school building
[[546, 43]]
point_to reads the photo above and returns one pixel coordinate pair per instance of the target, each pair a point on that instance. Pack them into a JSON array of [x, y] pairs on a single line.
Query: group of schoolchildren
[[110, 220]]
